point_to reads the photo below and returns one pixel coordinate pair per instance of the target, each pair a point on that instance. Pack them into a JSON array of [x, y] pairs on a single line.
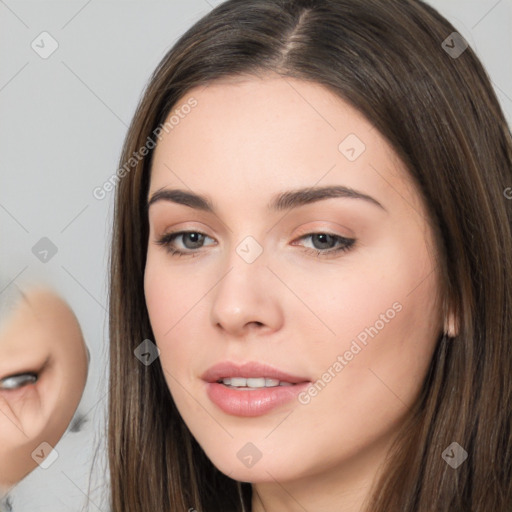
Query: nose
[[247, 298]]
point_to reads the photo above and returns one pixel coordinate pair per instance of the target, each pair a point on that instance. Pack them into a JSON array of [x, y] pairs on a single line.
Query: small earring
[[451, 327]]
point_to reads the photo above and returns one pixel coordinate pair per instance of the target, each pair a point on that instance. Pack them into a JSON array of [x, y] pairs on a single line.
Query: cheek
[[13, 402], [381, 310], [369, 290], [387, 323], [173, 299], [167, 295]]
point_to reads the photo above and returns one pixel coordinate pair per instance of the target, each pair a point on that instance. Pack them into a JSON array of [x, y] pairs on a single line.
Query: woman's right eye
[[168, 240]]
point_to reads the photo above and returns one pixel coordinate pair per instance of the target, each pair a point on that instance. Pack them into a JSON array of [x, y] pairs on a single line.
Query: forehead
[[272, 133], [265, 117]]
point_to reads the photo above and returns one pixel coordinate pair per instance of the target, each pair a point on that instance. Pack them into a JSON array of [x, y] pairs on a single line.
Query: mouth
[[251, 389], [251, 375], [253, 382]]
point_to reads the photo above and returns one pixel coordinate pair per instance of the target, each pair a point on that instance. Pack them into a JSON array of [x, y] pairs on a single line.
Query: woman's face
[[331, 292]]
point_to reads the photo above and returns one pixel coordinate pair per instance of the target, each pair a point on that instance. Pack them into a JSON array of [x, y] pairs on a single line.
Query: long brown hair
[[440, 114]]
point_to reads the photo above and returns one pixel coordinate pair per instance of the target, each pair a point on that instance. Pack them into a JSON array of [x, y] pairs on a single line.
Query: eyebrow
[[282, 201]]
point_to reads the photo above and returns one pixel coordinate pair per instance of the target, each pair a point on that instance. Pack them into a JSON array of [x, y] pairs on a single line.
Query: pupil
[[192, 236], [325, 237]]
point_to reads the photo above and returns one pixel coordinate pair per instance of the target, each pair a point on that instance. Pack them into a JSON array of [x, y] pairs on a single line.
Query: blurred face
[[43, 370], [290, 283]]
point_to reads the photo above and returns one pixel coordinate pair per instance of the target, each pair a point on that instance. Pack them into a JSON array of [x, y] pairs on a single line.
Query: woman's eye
[[327, 244], [17, 381], [189, 241]]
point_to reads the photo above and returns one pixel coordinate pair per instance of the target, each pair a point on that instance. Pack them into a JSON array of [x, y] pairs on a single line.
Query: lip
[[250, 402], [250, 369]]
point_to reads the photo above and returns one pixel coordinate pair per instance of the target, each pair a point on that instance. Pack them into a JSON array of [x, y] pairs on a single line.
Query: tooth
[[238, 381], [256, 382], [253, 382]]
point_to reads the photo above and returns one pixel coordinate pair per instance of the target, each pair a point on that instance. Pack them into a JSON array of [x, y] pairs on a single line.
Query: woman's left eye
[[326, 243]]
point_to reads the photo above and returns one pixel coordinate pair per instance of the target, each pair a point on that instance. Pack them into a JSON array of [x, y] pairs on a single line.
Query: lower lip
[[252, 402]]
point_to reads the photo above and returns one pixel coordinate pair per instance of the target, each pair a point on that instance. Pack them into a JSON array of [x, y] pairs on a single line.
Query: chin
[[239, 465]]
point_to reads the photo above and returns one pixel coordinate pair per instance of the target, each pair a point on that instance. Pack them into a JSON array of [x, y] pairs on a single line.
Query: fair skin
[[40, 336], [246, 140]]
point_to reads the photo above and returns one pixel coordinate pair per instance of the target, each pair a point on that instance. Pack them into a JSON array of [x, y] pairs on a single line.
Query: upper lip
[[249, 369]]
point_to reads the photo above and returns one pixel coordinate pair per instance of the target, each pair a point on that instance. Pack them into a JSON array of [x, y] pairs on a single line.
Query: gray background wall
[[63, 120]]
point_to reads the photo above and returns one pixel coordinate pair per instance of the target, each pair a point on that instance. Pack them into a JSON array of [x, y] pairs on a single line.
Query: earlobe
[[451, 325]]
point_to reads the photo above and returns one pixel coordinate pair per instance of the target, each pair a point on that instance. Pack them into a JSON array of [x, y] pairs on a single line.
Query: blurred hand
[[43, 371]]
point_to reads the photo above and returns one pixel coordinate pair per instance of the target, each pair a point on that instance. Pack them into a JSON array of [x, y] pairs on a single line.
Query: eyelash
[[168, 238]]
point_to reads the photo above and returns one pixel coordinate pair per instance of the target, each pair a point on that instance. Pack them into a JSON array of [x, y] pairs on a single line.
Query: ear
[[42, 337]]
